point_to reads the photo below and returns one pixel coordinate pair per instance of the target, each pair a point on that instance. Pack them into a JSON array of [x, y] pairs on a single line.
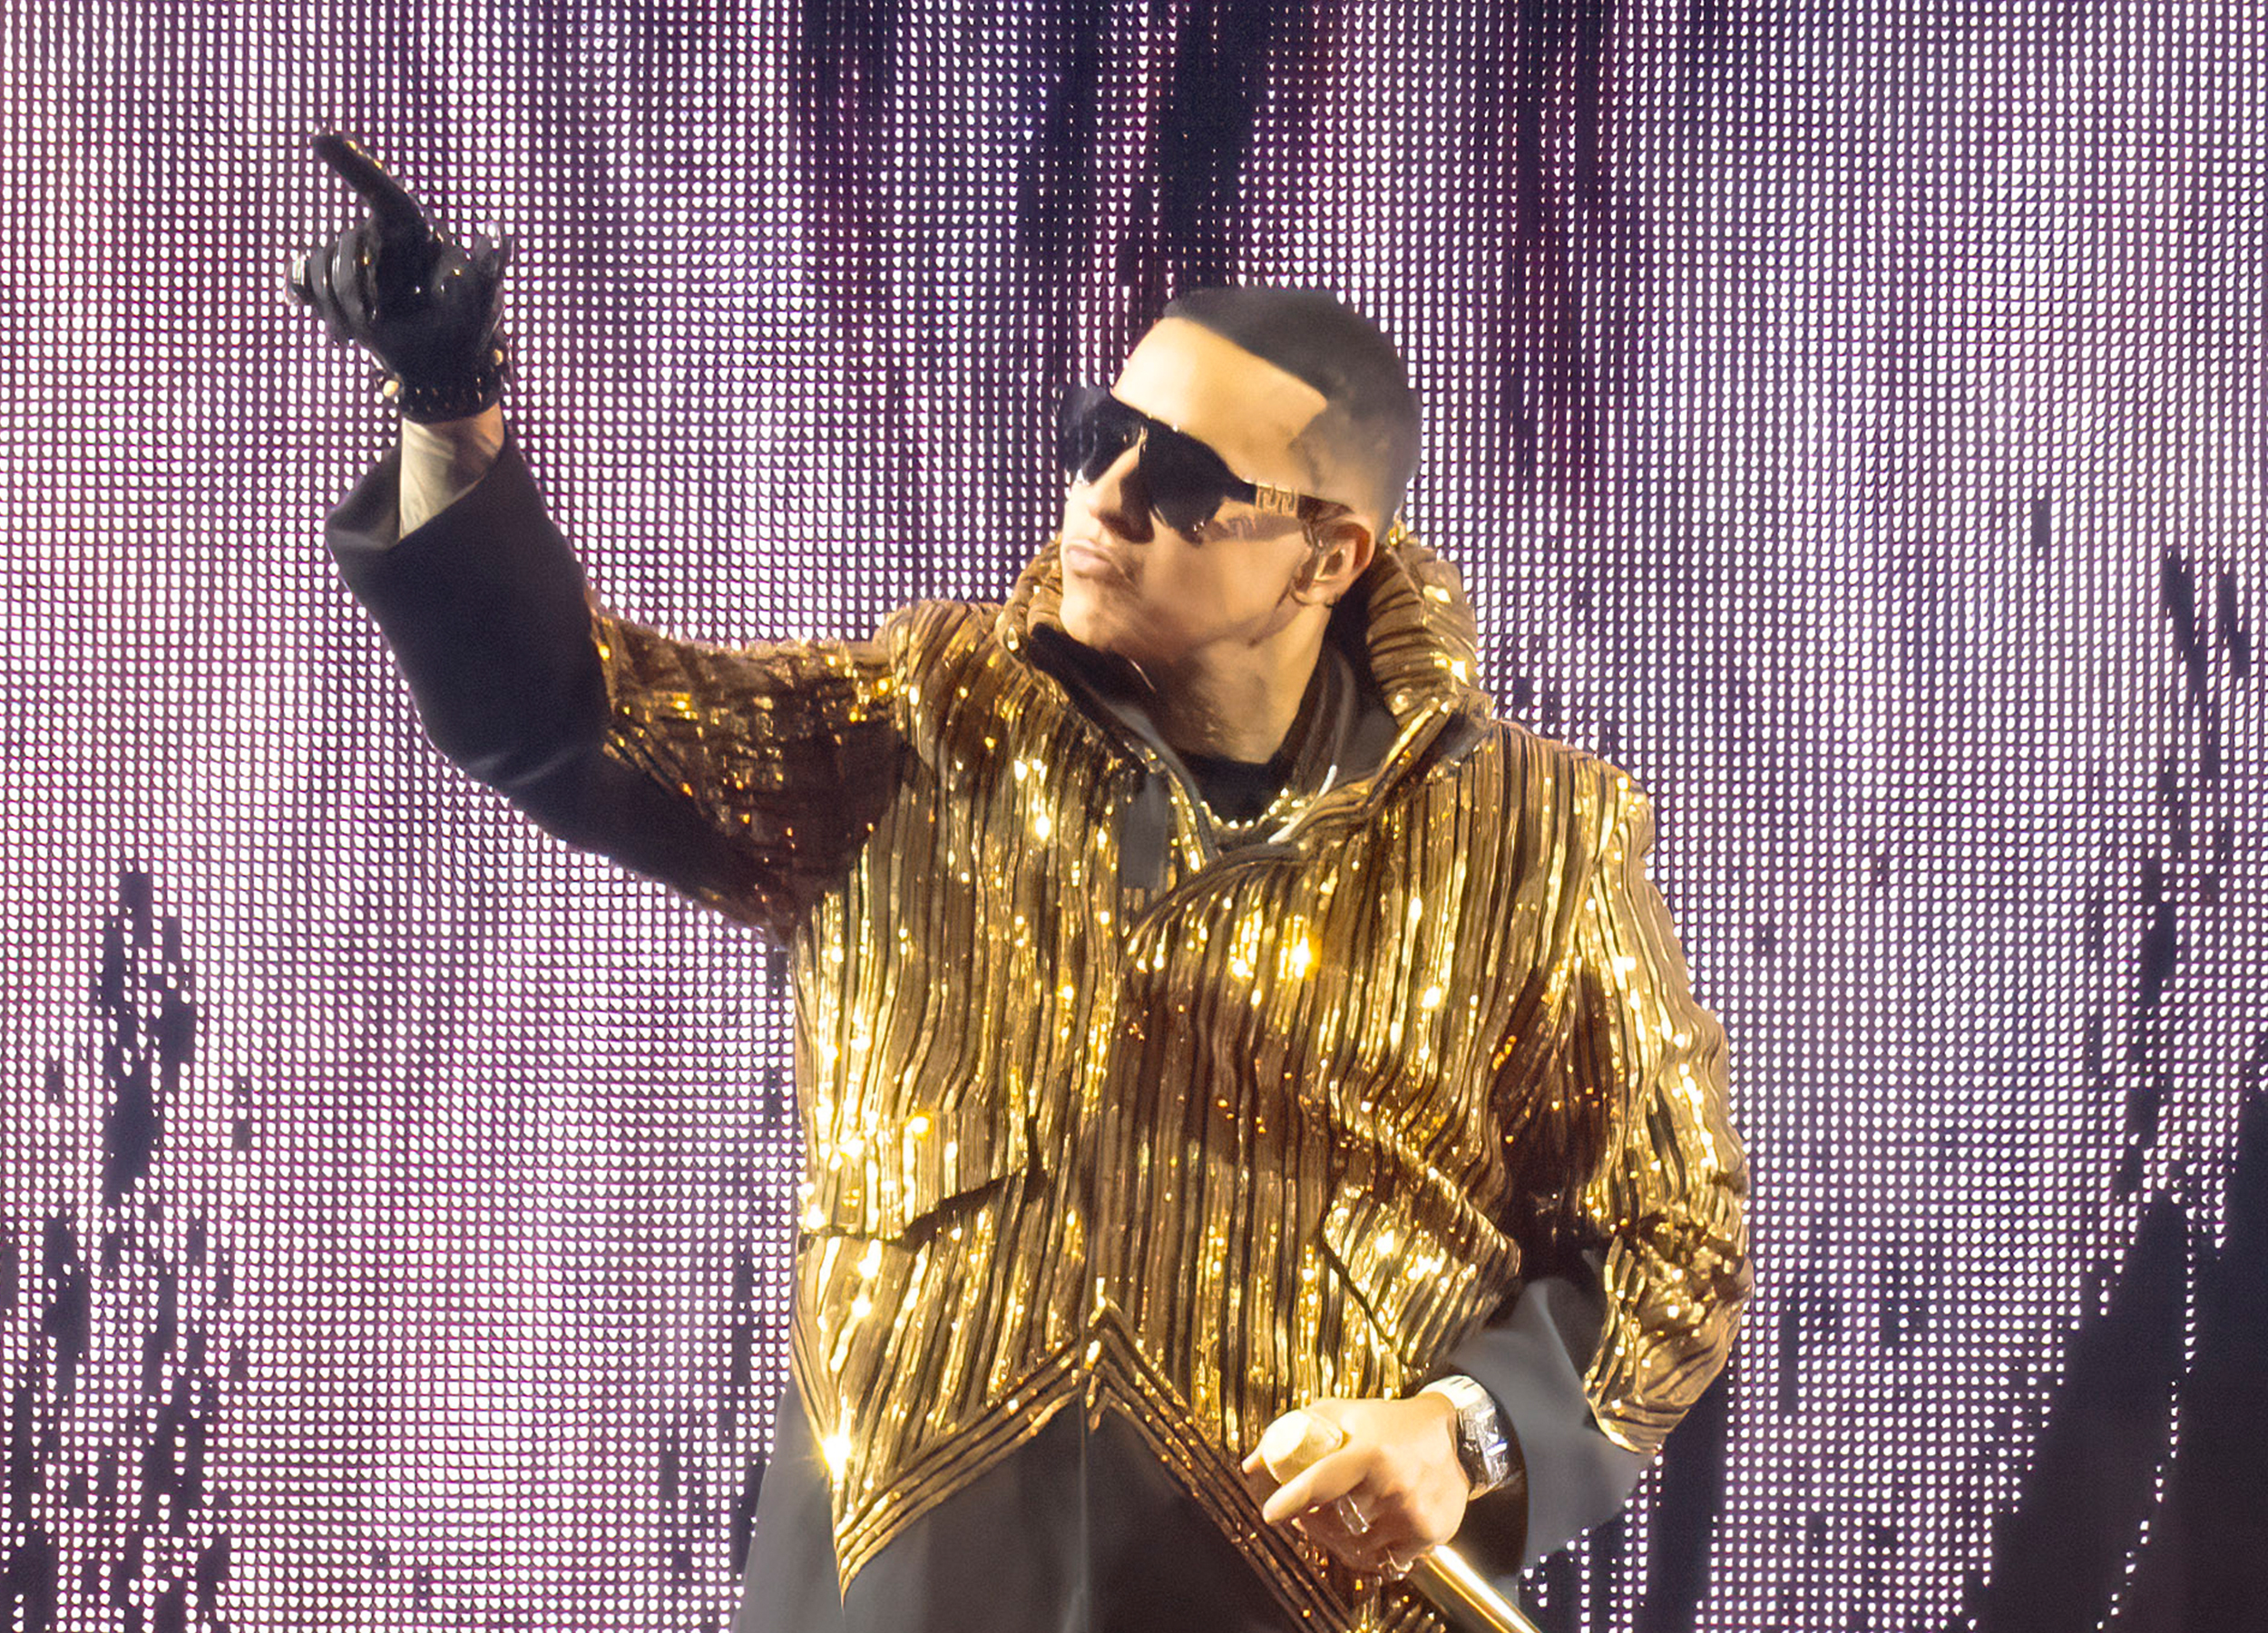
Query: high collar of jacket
[[1405, 621]]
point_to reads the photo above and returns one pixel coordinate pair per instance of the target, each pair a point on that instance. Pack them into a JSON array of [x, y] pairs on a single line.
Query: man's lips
[[1087, 559]]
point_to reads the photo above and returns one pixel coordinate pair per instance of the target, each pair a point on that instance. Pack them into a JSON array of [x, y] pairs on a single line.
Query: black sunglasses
[[1185, 481]]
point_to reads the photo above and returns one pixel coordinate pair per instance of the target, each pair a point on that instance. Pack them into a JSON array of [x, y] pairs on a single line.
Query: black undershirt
[[1238, 790]]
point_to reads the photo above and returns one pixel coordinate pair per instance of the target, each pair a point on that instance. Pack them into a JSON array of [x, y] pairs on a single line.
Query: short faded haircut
[[1370, 423]]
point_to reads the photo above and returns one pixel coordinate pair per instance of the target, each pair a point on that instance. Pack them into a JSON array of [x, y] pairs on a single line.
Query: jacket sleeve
[[1666, 1198], [746, 778], [1628, 1205], [1572, 1476]]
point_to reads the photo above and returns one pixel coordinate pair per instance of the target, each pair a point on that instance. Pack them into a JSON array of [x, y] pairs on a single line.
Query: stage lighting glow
[[1847, 419]]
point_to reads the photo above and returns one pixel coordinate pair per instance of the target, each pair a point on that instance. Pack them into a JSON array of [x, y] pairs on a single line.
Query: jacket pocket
[[1423, 1266]]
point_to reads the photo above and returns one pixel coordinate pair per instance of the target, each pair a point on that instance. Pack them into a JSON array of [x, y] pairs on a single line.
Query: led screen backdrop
[[1849, 418]]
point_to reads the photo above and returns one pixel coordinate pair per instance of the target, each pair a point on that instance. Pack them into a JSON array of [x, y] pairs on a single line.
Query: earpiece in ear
[[1321, 557]]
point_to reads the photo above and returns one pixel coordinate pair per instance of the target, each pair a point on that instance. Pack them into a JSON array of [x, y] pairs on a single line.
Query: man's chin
[[1094, 628], [1083, 620]]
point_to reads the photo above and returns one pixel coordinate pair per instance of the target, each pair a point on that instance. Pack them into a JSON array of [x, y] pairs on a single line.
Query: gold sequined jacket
[[1284, 1121]]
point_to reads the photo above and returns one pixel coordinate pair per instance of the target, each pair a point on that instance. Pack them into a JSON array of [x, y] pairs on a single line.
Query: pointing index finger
[[389, 200]]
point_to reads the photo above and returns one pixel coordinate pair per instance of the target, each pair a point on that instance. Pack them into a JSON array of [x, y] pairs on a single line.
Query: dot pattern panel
[[1847, 419]]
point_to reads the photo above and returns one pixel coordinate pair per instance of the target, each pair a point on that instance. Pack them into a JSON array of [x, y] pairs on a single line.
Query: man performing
[[1206, 1008]]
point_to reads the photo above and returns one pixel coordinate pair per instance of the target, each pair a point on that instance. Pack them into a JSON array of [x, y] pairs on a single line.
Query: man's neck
[[1238, 705]]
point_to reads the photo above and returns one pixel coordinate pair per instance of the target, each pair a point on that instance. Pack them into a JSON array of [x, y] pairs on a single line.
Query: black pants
[[1079, 1530]]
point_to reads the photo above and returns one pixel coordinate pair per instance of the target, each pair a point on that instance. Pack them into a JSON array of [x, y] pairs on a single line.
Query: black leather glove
[[421, 301]]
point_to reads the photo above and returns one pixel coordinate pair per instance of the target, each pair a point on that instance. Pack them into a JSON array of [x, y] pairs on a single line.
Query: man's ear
[[1344, 548]]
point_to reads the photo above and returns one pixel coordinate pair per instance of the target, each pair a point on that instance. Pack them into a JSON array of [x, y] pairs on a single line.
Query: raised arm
[[746, 778], [743, 778]]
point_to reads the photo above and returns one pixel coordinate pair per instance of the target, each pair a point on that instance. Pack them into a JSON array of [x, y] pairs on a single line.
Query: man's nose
[[1118, 500]]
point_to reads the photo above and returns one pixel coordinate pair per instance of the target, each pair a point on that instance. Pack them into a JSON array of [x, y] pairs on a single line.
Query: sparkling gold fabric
[[1283, 1128]]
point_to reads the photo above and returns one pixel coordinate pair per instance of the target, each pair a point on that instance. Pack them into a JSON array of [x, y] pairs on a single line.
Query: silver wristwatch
[[1483, 1448]]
